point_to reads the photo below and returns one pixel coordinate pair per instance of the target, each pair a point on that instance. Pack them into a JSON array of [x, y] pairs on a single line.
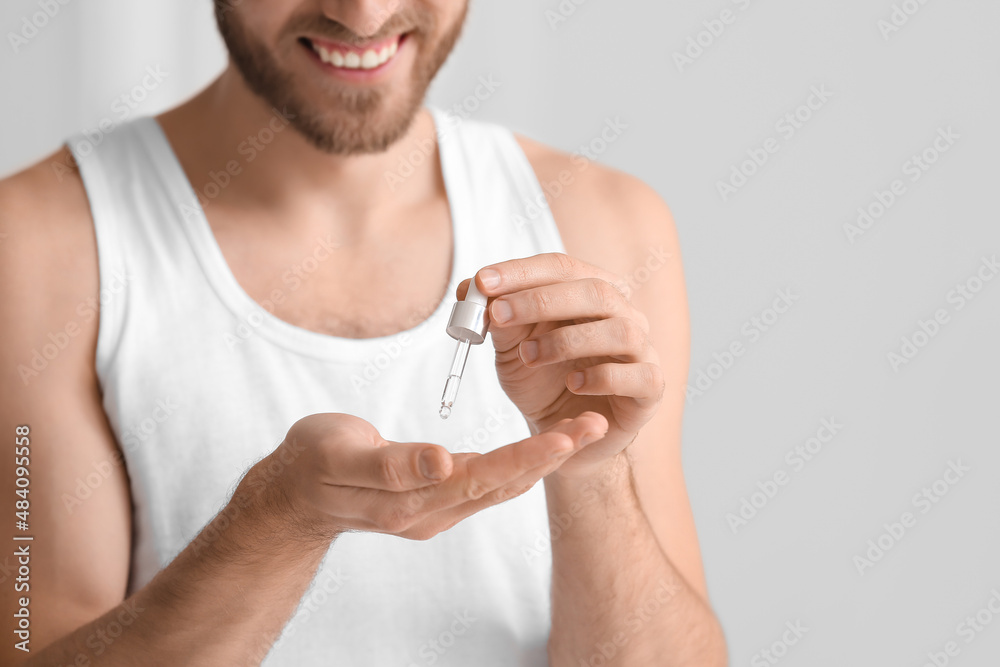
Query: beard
[[340, 119]]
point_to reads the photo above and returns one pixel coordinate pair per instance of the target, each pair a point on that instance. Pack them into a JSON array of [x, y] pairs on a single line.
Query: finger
[[477, 475], [641, 381], [584, 298], [620, 338], [485, 474], [569, 436], [544, 269], [394, 466], [588, 427]]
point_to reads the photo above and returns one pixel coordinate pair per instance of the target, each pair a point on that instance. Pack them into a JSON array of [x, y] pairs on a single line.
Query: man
[[260, 278]]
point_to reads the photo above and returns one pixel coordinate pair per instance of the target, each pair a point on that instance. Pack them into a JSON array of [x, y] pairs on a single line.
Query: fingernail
[[589, 438], [575, 380], [501, 311], [489, 278], [528, 349], [428, 466]]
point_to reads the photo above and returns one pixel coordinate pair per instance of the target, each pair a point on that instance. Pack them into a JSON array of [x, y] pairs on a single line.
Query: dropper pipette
[[468, 325]]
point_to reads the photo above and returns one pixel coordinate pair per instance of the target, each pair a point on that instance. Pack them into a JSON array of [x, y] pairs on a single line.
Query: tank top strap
[[131, 191]]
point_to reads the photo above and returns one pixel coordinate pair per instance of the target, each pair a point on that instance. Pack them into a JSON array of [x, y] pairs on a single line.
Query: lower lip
[[357, 75]]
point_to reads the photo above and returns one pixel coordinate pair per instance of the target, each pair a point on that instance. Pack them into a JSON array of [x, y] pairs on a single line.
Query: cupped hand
[[340, 475]]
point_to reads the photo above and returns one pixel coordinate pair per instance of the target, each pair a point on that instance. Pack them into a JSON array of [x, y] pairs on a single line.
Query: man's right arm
[[78, 505], [80, 551]]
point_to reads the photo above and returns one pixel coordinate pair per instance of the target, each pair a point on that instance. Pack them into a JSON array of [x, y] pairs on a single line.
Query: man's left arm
[[628, 583]]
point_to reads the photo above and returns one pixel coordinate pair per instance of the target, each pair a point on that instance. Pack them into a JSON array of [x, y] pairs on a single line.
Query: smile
[[347, 56]]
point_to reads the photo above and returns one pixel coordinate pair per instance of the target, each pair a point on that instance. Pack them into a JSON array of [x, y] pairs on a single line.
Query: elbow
[[716, 653]]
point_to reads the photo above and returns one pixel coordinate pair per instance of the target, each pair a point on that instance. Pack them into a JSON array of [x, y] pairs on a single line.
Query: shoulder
[[44, 199], [606, 217], [48, 253]]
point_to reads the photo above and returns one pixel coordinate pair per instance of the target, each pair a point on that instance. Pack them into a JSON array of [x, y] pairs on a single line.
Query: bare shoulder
[[54, 177], [606, 217], [44, 204], [48, 253]]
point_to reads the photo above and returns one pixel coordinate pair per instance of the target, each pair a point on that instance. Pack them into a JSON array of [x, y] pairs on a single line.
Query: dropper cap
[[469, 320]]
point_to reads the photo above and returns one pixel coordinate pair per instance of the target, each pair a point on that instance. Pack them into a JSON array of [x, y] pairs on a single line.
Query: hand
[[339, 474], [568, 340]]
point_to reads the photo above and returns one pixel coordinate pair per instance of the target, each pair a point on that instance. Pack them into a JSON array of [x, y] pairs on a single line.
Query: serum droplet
[[445, 412]]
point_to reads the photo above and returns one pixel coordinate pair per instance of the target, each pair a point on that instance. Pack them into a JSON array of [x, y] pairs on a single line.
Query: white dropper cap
[[469, 320]]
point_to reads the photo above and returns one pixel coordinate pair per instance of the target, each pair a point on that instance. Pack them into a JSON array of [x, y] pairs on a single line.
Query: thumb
[[351, 452], [393, 466]]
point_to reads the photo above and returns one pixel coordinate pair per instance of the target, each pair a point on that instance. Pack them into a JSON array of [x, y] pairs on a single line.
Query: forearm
[[223, 600], [615, 594]]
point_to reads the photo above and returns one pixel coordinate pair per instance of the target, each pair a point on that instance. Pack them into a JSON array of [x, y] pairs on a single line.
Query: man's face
[[354, 77]]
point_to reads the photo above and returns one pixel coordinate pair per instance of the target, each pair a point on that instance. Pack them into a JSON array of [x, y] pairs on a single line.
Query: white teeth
[[370, 59]]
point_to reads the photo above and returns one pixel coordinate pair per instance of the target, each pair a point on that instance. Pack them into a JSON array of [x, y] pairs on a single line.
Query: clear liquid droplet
[[445, 412]]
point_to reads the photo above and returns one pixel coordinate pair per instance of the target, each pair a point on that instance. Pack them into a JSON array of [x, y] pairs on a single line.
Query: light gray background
[[825, 357]]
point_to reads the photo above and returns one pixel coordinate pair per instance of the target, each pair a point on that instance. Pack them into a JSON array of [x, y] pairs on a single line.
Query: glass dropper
[[468, 325]]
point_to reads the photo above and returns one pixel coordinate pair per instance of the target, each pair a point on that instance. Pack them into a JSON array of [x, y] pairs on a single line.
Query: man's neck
[[287, 175]]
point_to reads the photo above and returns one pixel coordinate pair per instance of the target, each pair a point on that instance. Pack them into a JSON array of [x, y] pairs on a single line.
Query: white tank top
[[199, 382]]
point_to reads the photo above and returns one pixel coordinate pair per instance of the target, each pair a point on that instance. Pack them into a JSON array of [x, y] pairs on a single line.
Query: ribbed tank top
[[199, 382]]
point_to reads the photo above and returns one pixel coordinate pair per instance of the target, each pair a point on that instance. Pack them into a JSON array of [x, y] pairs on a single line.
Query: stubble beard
[[348, 120]]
